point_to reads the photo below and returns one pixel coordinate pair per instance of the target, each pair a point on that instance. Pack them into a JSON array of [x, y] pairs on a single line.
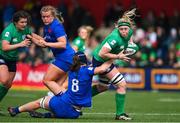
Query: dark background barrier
[[28, 77]]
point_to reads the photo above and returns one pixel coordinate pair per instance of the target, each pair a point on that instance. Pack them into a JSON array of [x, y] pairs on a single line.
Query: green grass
[[141, 105]]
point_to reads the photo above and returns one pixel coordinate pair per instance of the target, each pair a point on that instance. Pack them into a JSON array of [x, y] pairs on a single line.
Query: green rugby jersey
[[79, 43], [13, 36], [115, 41]]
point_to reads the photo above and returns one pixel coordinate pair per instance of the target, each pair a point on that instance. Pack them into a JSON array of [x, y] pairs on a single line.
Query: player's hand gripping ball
[[131, 49]]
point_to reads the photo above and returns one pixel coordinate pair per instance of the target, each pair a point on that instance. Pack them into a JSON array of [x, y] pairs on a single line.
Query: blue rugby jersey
[[51, 33], [79, 87]]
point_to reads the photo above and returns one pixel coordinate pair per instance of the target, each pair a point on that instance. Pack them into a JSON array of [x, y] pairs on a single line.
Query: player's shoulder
[[56, 25], [77, 40], [114, 35], [9, 31], [9, 28]]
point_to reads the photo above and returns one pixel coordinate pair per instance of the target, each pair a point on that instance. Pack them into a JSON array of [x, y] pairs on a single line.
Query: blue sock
[[16, 110]]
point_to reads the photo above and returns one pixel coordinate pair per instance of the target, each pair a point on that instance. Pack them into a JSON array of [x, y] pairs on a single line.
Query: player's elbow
[[63, 46], [102, 55]]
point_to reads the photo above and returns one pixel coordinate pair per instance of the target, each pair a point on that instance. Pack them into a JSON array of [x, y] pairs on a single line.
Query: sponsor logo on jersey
[[14, 40], [121, 47]]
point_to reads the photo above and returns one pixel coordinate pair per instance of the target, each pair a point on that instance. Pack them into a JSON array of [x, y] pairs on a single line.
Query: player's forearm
[[11, 47], [56, 45], [37, 42], [103, 68], [37, 36]]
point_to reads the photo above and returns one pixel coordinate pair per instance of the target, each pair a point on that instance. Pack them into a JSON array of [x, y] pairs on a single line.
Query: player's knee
[[46, 81], [42, 102], [122, 84], [5, 82], [121, 87], [8, 86]]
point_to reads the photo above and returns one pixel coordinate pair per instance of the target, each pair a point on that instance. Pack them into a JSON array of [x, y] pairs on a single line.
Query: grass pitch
[[141, 105]]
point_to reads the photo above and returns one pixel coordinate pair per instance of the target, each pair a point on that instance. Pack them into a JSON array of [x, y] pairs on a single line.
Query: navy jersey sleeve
[[90, 70], [59, 31]]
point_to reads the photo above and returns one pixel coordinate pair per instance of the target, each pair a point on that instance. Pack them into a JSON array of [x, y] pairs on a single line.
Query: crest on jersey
[[6, 34], [113, 42], [49, 30]]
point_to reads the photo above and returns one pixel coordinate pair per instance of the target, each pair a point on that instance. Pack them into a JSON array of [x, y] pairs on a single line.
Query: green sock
[[120, 102], [94, 90], [3, 91]]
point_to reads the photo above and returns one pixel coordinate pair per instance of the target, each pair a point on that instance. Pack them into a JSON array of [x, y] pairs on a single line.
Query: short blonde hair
[[54, 12]]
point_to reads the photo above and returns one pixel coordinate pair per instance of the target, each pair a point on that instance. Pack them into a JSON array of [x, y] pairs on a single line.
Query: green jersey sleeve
[[6, 35], [79, 43], [113, 43]]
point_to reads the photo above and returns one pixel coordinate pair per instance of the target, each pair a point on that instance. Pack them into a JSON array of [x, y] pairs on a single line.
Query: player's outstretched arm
[[103, 68], [38, 40]]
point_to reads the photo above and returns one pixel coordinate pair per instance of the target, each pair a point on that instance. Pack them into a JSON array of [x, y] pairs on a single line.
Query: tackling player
[[78, 94], [56, 39]]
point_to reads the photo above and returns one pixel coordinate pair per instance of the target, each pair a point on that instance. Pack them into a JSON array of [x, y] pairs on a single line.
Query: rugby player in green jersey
[[111, 48], [80, 43], [12, 38]]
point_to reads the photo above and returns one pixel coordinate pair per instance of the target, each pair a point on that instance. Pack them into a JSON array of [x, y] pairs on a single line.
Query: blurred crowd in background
[[157, 36]]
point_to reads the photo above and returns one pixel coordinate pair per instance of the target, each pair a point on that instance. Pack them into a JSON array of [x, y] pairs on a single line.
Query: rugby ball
[[131, 49]]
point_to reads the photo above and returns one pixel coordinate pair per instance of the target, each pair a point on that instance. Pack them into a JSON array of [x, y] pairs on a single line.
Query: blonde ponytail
[[127, 19]]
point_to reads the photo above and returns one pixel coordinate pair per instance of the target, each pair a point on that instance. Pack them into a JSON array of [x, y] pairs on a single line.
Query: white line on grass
[[169, 100], [155, 114]]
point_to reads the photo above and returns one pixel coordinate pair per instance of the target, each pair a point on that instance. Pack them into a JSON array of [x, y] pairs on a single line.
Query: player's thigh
[[116, 78], [65, 84], [112, 73], [4, 74], [62, 81], [62, 109], [53, 73]]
